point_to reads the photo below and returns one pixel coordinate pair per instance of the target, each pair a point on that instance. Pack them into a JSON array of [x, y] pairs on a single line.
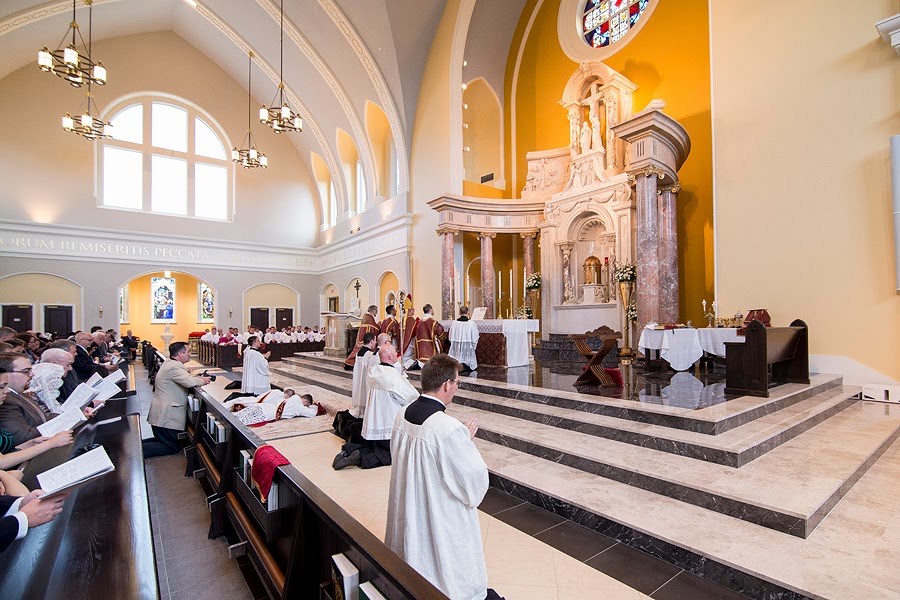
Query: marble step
[[711, 420], [790, 489], [734, 448], [796, 505]]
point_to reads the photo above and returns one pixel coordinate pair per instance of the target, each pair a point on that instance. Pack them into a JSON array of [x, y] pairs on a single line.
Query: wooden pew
[[768, 356]]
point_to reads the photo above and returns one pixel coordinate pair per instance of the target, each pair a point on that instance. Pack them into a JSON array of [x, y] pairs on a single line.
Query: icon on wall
[[162, 299]]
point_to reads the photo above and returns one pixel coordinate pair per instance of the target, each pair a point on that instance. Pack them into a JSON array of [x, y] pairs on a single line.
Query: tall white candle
[[510, 287], [499, 285]]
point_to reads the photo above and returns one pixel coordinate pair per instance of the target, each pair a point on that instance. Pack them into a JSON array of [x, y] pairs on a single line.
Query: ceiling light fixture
[[68, 63], [248, 156], [87, 124], [279, 116]]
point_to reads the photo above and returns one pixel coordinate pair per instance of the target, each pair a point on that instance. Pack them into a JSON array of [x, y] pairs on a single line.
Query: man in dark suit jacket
[[84, 365], [17, 514], [19, 415], [130, 343]]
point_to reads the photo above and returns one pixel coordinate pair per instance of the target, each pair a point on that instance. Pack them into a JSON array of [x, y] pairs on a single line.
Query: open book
[[66, 421], [76, 472]]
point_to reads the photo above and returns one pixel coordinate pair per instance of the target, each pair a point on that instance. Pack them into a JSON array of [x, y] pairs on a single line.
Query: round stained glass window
[[605, 22]]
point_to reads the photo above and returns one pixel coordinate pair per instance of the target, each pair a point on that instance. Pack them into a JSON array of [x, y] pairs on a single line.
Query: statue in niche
[[354, 306], [573, 133], [585, 138], [596, 141]]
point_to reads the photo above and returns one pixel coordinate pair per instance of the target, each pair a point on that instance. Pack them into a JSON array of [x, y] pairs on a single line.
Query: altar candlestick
[[468, 289], [715, 310], [704, 306], [510, 287]]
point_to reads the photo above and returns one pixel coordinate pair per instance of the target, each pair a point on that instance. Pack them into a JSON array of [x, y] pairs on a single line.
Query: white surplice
[[255, 378], [360, 390], [438, 479], [463, 340], [265, 408], [389, 391]]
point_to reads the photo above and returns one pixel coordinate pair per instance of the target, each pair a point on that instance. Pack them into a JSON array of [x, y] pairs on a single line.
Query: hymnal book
[[94, 379], [75, 472], [367, 591], [79, 398], [114, 377], [220, 432], [272, 498], [106, 389], [66, 421], [346, 578]]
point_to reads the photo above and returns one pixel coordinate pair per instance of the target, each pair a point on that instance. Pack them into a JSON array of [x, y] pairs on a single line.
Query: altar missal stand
[[594, 373]]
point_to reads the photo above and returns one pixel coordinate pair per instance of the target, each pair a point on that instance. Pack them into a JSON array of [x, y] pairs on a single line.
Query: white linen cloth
[[712, 339], [389, 391], [517, 346], [679, 347], [360, 389], [463, 341], [255, 378], [438, 480]]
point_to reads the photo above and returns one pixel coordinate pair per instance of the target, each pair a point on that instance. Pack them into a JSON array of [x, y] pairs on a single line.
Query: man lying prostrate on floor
[[273, 406], [389, 391]]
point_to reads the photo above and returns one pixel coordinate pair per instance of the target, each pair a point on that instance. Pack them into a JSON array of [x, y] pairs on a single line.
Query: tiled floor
[[189, 565]]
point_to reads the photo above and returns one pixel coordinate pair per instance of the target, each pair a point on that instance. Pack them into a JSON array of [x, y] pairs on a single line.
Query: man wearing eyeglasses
[[438, 479], [19, 414]]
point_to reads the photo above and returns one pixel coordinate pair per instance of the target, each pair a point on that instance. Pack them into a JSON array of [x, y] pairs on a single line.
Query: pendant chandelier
[[248, 156], [70, 64], [87, 124], [279, 116]]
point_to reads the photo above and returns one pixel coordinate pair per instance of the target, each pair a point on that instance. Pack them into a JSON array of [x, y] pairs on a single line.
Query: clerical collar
[[384, 364], [433, 398], [463, 318]]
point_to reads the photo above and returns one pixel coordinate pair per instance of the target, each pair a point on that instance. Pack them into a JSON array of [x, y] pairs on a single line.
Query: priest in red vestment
[[429, 336], [408, 339], [368, 325], [390, 326]]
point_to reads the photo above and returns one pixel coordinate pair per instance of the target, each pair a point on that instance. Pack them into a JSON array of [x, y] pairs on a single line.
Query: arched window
[[167, 157], [605, 22]]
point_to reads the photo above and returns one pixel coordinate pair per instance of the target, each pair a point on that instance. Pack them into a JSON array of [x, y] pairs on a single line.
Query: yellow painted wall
[[273, 295], [139, 309], [379, 129], [470, 188], [41, 288], [668, 59], [349, 156], [481, 112], [389, 283], [802, 160]]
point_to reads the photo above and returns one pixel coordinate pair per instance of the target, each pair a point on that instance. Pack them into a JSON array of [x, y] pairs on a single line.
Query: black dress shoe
[[340, 455], [354, 458]]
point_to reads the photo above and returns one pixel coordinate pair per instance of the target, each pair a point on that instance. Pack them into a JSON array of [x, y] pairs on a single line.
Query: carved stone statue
[[596, 139], [573, 133], [585, 137]]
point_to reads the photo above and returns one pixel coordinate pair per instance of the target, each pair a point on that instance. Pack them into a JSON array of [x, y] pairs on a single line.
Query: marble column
[[487, 273], [647, 288], [448, 274], [669, 302], [568, 281], [528, 258], [612, 119]]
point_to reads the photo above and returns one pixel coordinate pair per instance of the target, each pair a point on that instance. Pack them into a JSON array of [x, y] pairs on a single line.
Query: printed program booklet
[[76, 472]]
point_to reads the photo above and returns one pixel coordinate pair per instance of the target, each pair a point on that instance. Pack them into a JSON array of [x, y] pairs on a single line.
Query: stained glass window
[[607, 21], [207, 299]]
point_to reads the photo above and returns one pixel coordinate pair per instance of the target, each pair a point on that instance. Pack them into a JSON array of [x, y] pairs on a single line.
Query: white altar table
[[518, 346], [681, 348]]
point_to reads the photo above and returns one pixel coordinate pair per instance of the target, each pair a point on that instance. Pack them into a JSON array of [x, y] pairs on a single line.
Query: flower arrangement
[[533, 281], [523, 312], [626, 272], [631, 312]]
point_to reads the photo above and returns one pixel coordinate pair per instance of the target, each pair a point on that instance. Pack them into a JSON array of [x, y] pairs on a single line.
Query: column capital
[[445, 229], [674, 188], [528, 234], [566, 246], [647, 172], [487, 234]]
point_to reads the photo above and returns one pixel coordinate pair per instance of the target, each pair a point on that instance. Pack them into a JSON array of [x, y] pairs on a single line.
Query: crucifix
[[356, 287]]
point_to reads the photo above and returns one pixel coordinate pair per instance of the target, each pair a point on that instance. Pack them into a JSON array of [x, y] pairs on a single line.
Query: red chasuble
[[391, 327], [410, 324], [428, 339], [368, 325]]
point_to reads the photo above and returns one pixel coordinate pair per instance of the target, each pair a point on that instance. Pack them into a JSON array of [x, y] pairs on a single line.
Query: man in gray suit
[[168, 408]]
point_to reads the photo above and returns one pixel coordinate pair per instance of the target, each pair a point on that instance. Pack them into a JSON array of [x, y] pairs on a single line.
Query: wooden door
[[259, 317], [58, 320], [284, 317], [17, 316]]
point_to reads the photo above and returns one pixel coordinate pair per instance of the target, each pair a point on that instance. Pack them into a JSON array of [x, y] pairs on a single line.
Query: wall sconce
[[230, 312], [167, 274], [100, 310]]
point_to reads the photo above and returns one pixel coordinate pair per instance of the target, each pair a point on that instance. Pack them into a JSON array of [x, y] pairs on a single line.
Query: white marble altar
[[518, 345]]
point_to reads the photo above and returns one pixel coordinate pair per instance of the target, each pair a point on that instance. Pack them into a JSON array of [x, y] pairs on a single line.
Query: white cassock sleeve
[[437, 482], [360, 389], [255, 378], [463, 341]]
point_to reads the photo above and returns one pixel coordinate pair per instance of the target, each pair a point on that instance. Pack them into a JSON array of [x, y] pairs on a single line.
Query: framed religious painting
[[162, 299], [206, 301]]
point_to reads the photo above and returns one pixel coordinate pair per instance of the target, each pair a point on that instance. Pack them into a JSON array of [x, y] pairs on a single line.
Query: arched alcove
[[388, 292], [150, 301], [379, 133], [270, 298], [356, 296], [324, 183], [482, 133], [352, 173], [41, 292]]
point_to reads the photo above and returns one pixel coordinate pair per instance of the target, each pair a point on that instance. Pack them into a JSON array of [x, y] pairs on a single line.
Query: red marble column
[[487, 274], [669, 301], [448, 274], [647, 288]]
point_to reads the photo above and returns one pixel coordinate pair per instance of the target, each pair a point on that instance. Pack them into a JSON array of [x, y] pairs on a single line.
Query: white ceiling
[[325, 70]]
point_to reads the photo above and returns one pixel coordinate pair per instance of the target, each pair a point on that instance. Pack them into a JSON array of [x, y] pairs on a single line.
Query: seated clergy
[[389, 391], [464, 339], [365, 358], [282, 337], [274, 405]]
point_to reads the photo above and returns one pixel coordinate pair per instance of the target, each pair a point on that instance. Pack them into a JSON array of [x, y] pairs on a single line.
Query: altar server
[[437, 482], [365, 358], [255, 378], [389, 391], [367, 325], [464, 340]]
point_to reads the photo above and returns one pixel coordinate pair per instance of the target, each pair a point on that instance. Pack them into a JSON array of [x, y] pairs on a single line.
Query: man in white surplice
[[464, 339], [365, 358], [255, 376], [389, 391], [437, 482]]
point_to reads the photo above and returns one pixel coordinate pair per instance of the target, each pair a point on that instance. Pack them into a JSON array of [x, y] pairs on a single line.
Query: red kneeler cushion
[[616, 375]]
